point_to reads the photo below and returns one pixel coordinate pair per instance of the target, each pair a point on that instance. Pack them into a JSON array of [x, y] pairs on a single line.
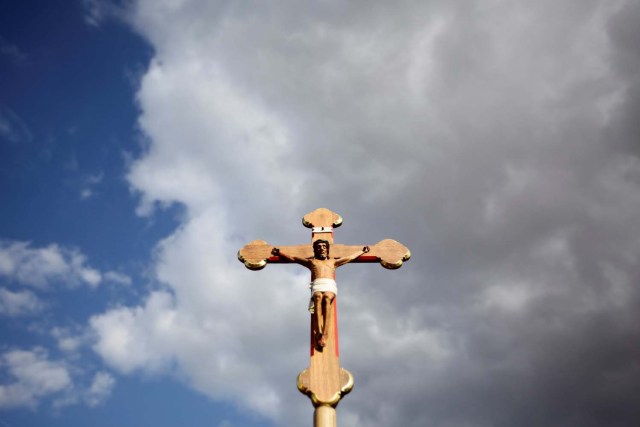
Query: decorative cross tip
[[346, 383], [322, 217], [390, 253], [252, 254]]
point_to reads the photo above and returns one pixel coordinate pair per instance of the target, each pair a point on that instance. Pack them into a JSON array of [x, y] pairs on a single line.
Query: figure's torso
[[322, 268]]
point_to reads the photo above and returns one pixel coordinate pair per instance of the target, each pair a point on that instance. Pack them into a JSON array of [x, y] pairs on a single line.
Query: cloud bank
[[30, 376], [44, 267], [497, 140]]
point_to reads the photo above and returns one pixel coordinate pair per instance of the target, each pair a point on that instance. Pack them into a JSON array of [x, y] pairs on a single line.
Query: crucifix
[[324, 381]]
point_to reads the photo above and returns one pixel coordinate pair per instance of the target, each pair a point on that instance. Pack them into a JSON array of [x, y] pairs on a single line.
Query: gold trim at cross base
[[346, 379]]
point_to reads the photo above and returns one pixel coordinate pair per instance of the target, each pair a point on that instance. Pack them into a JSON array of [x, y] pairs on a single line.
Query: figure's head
[[321, 249]]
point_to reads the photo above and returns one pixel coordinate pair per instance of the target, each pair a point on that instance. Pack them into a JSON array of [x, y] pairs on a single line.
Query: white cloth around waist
[[323, 284]]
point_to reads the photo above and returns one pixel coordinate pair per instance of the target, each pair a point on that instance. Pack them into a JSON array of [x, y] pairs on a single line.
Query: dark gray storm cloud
[[498, 140]]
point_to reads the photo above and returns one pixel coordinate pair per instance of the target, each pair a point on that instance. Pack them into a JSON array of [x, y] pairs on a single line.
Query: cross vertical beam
[[325, 382]]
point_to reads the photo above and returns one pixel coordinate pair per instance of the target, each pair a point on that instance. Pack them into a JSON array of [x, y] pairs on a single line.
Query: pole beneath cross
[[325, 382]]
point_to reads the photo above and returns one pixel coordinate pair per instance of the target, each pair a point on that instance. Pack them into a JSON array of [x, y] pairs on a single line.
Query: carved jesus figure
[[323, 284]]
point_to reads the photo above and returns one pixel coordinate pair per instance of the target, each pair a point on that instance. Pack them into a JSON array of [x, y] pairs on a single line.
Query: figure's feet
[[322, 342]]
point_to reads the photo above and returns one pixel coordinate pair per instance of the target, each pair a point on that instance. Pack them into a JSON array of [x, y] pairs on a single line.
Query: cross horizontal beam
[[389, 253]]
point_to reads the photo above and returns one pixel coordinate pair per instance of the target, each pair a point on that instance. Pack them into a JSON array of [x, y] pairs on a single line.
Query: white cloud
[[12, 52], [117, 278], [132, 339], [12, 127], [475, 134], [42, 267], [100, 389], [34, 376], [19, 303], [97, 11], [89, 184], [31, 377], [67, 340]]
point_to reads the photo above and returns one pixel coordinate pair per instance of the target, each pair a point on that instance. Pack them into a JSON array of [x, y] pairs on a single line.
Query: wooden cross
[[324, 381]]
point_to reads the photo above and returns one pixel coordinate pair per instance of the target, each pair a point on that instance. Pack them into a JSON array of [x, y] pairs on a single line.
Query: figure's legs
[[317, 312], [327, 299]]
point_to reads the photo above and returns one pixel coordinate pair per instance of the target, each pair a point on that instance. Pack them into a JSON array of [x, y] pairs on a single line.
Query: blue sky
[[143, 142], [68, 104], [68, 91], [75, 83]]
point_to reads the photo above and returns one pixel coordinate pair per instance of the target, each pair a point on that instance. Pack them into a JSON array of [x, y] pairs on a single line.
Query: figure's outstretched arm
[[298, 260], [349, 258]]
